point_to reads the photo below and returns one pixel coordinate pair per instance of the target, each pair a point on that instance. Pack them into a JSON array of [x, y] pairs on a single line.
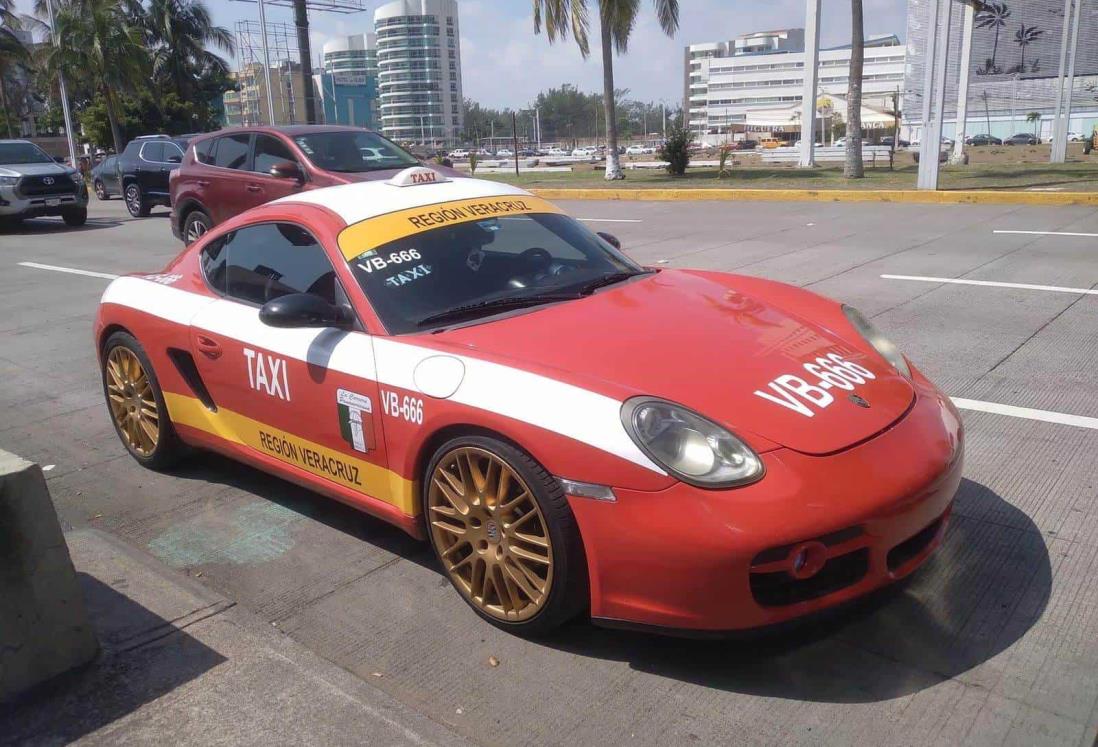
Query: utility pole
[[1013, 103], [266, 63], [64, 93], [663, 116], [811, 81], [958, 157], [1065, 83], [895, 123], [934, 93], [514, 139]]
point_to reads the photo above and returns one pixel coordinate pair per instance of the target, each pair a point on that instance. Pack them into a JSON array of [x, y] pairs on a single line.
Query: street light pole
[[64, 93], [1065, 83], [962, 86], [266, 61], [811, 80], [934, 93]]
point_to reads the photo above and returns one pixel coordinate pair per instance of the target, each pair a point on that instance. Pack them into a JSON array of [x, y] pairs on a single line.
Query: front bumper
[[13, 204], [725, 560]]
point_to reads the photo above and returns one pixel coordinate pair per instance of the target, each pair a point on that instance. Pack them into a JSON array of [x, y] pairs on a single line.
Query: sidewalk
[[183, 665]]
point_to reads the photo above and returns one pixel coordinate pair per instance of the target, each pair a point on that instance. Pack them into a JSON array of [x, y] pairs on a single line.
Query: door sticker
[[267, 374], [357, 430]]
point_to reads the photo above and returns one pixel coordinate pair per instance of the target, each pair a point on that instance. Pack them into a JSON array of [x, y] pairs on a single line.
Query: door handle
[[209, 347], [254, 188]]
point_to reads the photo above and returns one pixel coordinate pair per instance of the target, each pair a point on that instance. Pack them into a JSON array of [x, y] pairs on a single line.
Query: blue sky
[[505, 64]]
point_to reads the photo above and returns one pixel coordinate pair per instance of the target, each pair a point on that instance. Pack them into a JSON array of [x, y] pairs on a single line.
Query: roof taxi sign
[[417, 175]]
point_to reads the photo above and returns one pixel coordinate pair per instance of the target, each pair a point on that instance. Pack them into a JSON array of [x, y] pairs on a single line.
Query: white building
[[347, 82], [742, 85], [419, 70]]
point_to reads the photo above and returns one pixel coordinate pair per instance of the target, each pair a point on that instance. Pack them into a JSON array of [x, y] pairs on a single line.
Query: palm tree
[[301, 20], [100, 47], [993, 15], [616, 21], [177, 33], [854, 168], [1035, 118], [1025, 36]]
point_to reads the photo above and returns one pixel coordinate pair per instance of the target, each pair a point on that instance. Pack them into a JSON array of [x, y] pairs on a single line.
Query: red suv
[[227, 172]]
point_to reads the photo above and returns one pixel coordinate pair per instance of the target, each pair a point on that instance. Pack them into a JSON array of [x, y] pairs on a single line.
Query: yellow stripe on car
[[374, 232], [357, 474]]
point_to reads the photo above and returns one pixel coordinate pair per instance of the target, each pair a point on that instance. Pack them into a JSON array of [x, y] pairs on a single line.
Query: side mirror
[[610, 239], [304, 310], [287, 170]]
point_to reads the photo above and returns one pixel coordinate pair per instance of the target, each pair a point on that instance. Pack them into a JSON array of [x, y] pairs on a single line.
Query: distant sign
[[349, 79]]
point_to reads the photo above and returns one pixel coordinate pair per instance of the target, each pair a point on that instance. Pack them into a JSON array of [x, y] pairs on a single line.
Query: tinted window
[[203, 150], [352, 151], [173, 149], [232, 151], [274, 259], [15, 153], [153, 151], [213, 264], [269, 151]]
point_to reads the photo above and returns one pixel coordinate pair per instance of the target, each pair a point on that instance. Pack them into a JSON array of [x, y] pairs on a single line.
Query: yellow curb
[[949, 197]]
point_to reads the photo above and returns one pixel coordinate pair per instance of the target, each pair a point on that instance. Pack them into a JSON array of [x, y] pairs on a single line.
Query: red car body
[[856, 492]]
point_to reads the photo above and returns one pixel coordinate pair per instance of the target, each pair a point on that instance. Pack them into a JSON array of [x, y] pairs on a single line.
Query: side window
[[173, 149], [232, 151], [204, 150], [213, 264], [275, 259], [152, 152], [269, 151]]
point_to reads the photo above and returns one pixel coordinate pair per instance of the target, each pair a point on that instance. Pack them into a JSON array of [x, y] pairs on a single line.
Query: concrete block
[[44, 628]]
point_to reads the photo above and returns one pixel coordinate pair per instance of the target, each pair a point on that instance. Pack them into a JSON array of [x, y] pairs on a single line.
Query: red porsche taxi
[[572, 431]]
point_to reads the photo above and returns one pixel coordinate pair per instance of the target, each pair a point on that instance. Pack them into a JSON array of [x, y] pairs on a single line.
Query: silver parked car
[[32, 184]]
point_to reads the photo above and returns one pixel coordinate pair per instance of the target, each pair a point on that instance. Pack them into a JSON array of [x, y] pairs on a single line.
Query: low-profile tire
[[195, 225], [75, 216], [136, 202], [504, 535], [135, 403], [100, 190]]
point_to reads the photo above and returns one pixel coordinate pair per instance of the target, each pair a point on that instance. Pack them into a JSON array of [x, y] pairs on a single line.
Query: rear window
[[204, 149]]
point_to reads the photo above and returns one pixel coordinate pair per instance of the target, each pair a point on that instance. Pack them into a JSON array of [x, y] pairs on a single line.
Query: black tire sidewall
[[75, 216], [192, 217], [168, 447], [100, 190], [142, 208], [568, 595]]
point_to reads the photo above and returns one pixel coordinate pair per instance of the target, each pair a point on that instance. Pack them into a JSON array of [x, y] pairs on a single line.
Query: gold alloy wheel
[[133, 406], [490, 534]]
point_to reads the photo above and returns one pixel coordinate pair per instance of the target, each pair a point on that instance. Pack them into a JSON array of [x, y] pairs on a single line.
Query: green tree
[[177, 34], [616, 21], [854, 168], [1035, 119], [100, 47], [13, 54]]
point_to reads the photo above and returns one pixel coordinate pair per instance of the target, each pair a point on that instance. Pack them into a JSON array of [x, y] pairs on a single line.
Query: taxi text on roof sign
[[417, 175]]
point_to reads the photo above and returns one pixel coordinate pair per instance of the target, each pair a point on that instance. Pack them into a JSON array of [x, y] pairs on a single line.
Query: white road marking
[[48, 467], [1027, 413], [993, 284], [611, 220], [1053, 233], [70, 270]]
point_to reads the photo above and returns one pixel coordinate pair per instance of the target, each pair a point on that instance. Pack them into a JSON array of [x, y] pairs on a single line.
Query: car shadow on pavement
[[40, 226], [143, 657], [985, 587]]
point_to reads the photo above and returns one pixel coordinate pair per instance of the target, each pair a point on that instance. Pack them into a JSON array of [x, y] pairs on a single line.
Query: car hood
[[34, 169], [695, 339]]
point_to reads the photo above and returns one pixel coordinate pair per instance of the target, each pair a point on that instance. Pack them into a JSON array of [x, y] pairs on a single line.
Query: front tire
[[101, 191], [195, 225], [136, 403], [75, 217], [136, 203], [504, 534]]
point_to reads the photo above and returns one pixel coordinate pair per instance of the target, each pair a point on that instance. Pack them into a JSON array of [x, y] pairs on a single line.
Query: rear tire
[[101, 191], [526, 581], [136, 405], [75, 216], [195, 225], [136, 203]]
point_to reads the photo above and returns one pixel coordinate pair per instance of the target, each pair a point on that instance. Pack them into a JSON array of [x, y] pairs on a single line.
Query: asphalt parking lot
[[994, 641]]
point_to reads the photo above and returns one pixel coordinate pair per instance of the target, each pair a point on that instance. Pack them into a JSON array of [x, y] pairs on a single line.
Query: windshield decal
[[358, 239]]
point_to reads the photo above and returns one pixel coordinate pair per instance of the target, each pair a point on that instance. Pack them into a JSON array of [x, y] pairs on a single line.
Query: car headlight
[[692, 448], [880, 343], [77, 177], [8, 180]]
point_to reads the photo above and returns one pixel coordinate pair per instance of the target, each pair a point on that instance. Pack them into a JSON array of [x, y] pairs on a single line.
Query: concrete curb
[[948, 197]]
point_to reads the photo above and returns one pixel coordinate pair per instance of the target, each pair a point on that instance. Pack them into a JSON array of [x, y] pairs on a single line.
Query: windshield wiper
[[615, 277], [496, 304]]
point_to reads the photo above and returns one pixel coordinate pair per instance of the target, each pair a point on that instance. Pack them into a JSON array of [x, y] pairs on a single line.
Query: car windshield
[[466, 271], [353, 151], [13, 153]]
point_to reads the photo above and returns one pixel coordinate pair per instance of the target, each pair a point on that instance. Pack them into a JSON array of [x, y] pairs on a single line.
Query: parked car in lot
[[640, 150], [1023, 138], [144, 168], [557, 152], [460, 358], [460, 153], [33, 184], [585, 152], [746, 144], [227, 172], [505, 153], [889, 139], [104, 178], [983, 139], [1072, 137]]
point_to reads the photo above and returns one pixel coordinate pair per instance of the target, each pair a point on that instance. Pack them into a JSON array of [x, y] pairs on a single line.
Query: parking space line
[[1052, 233], [1079, 421], [611, 220], [994, 284], [70, 270]]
